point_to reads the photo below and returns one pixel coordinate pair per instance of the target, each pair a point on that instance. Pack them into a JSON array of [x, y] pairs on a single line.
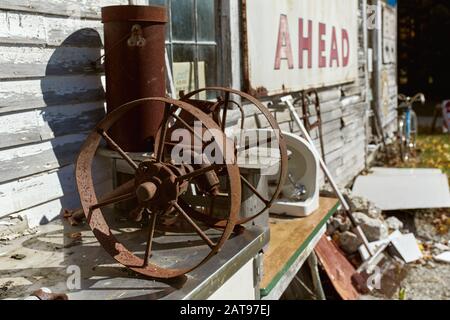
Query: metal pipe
[[135, 69]]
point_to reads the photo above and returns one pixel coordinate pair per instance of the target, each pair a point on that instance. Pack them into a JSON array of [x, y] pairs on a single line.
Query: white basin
[[303, 165]]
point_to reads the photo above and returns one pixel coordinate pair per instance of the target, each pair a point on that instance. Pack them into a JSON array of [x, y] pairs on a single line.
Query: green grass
[[433, 151]]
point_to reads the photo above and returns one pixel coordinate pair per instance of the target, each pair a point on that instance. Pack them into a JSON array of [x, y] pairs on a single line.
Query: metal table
[[82, 269]]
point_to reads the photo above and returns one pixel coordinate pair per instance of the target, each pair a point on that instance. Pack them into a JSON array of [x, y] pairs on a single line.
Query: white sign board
[[302, 44], [389, 35], [184, 80]]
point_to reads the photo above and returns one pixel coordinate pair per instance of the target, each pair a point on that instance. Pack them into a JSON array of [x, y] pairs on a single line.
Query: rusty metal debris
[[45, 294], [337, 267], [161, 187]]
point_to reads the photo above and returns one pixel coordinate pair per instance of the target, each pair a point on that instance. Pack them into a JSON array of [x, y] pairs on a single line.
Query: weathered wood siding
[[51, 95]]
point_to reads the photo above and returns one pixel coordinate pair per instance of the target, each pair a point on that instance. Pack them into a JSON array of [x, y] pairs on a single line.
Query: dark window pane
[[206, 20], [165, 4], [183, 20], [157, 2], [183, 68], [207, 67]]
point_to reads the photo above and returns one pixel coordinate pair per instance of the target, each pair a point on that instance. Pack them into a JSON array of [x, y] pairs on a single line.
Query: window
[[192, 42]]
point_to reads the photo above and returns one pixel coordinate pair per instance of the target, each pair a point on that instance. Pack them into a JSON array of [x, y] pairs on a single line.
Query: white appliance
[[303, 168]]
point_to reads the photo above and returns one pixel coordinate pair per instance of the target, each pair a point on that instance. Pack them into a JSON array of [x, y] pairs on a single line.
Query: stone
[[360, 204], [349, 242], [342, 224], [443, 257], [394, 224], [374, 229], [441, 247], [374, 212], [331, 229]]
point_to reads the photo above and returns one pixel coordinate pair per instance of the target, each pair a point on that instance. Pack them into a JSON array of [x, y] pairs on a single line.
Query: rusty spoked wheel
[[157, 188], [219, 111]]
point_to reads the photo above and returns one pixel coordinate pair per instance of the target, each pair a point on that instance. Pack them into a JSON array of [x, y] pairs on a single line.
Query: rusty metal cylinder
[[135, 68]]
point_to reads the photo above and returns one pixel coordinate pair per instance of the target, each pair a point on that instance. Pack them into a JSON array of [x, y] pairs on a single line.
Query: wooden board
[[288, 238], [338, 268], [70, 8]]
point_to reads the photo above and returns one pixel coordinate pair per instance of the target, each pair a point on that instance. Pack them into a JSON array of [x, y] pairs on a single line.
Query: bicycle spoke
[[118, 149], [114, 200], [195, 226], [253, 189], [148, 249]]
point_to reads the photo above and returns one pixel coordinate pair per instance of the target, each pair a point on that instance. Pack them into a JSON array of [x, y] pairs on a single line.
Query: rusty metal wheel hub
[[157, 187]]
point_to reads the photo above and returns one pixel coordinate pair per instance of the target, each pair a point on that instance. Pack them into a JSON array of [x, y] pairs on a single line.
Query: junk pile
[[384, 232]]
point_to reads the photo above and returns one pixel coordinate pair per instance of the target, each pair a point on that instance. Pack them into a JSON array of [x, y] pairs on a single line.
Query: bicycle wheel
[[414, 131], [401, 138]]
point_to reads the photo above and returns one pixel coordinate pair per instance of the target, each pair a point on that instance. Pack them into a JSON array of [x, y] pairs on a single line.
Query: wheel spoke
[[151, 232], [253, 189], [188, 127], [118, 149], [225, 110], [124, 197], [195, 226], [199, 172], [162, 138], [253, 145], [124, 188]]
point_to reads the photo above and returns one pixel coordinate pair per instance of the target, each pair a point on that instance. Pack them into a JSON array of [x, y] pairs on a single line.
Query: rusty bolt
[[146, 191]]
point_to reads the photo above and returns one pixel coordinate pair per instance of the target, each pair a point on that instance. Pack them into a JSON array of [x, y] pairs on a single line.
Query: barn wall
[[51, 95]]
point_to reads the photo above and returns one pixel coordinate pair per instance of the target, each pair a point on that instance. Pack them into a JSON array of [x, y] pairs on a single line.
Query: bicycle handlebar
[[408, 100]]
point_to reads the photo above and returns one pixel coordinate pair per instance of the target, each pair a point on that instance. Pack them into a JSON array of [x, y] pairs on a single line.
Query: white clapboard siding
[[45, 124], [32, 94], [26, 28], [28, 160], [48, 211], [75, 8], [36, 62], [51, 96], [21, 194]]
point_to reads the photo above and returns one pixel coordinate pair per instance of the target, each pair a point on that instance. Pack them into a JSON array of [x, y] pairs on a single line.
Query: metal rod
[[187, 126], [254, 144], [118, 149], [288, 101], [148, 249], [199, 172], [315, 276], [172, 89], [162, 138], [107, 202], [196, 227], [225, 110], [253, 189]]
